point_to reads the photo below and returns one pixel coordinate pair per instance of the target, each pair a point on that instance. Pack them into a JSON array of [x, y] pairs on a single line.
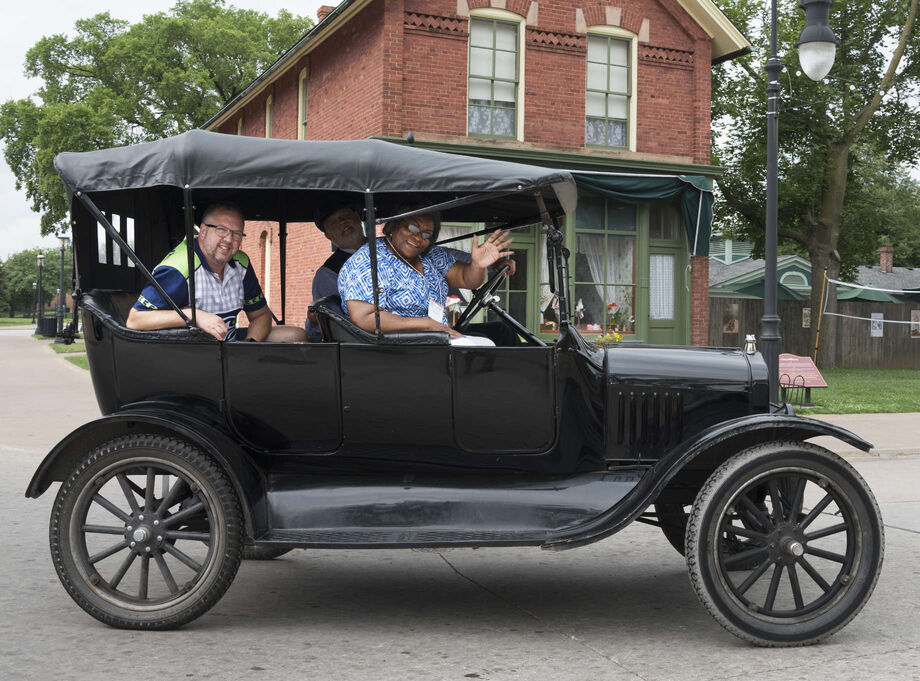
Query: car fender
[[245, 476], [719, 442]]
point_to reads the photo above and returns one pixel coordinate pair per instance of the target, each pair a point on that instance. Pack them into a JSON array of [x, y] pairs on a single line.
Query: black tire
[[818, 553], [264, 552], [191, 530]]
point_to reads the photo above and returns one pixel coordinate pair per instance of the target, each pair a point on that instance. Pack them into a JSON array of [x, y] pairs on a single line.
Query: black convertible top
[[287, 179]]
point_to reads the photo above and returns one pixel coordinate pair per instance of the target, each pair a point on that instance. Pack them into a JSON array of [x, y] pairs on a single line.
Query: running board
[[434, 510]]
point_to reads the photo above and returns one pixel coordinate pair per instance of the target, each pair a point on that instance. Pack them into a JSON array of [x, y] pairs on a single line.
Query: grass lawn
[[79, 360], [73, 347], [16, 321], [866, 391]]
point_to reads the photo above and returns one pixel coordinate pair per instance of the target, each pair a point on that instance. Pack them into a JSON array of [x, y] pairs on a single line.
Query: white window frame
[[622, 34], [511, 18], [302, 104], [268, 117]]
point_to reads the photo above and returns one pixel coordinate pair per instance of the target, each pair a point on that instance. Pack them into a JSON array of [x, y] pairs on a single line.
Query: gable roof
[[725, 278], [727, 43], [900, 278], [745, 271]]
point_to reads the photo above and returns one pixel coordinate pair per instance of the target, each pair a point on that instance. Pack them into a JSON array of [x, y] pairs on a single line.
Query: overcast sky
[[24, 24]]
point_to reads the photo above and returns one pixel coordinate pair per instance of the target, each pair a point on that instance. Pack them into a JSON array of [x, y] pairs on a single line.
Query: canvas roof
[[288, 179]]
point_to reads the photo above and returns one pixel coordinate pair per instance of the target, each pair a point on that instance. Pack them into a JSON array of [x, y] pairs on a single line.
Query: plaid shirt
[[238, 290]]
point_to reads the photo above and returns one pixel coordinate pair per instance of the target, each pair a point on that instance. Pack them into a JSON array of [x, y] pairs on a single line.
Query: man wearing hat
[[340, 222]]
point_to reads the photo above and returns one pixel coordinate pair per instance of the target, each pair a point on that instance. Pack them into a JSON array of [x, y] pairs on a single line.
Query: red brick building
[[620, 86]]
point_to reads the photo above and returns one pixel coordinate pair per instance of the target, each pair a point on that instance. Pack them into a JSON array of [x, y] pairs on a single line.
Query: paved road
[[620, 609]]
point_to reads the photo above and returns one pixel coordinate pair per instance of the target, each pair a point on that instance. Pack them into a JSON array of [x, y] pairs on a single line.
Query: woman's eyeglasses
[[415, 229]]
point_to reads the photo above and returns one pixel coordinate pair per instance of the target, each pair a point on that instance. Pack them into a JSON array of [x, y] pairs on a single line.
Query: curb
[[894, 453]]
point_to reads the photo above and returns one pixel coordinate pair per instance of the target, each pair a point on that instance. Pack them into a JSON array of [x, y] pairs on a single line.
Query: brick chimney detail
[[886, 258], [323, 11]]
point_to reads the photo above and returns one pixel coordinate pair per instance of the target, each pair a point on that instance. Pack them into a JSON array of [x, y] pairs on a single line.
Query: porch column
[[699, 300]]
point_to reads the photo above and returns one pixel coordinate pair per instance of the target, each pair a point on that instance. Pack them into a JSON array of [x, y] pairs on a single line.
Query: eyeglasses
[[225, 232], [415, 229]]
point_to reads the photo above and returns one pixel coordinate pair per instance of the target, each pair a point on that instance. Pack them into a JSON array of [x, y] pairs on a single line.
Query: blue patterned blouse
[[403, 290]]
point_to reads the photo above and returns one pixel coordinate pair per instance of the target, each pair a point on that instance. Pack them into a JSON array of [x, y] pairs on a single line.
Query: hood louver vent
[[639, 421]]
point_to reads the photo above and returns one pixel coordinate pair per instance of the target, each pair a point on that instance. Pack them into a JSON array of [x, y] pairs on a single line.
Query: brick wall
[[699, 300], [401, 65], [673, 73], [346, 80]]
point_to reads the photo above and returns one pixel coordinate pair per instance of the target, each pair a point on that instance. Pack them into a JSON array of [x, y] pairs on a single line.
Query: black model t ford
[[370, 440]]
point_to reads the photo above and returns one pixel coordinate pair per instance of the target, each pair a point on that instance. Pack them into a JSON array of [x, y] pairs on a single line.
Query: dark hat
[[330, 206]]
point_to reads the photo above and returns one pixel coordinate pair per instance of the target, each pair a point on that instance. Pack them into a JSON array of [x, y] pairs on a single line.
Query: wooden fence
[[896, 349]]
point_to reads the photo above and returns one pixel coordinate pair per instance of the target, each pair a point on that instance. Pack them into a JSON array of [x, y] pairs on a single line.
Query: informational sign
[[915, 323], [877, 329], [806, 317], [730, 319], [794, 366]]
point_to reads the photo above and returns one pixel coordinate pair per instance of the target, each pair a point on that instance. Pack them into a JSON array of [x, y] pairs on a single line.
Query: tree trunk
[[822, 250], [826, 336]]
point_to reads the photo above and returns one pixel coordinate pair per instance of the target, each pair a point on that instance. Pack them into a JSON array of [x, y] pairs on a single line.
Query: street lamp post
[[59, 336], [41, 312], [817, 46], [34, 300]]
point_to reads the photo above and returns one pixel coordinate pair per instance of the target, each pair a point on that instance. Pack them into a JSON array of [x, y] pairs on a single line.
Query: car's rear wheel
[[146, 533], [815, 545]]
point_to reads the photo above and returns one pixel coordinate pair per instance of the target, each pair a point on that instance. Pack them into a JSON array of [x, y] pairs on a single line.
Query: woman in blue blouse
[[413, 277]]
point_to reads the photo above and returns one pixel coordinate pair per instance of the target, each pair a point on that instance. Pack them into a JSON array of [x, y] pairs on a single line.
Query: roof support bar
[[282, 245], [190, 248], [558, 256], [127, 250], [370, 233]]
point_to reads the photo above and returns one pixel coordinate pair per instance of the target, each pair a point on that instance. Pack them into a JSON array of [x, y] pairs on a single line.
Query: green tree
[[4, 288], [829, 132], [114, 83], [21, 269]]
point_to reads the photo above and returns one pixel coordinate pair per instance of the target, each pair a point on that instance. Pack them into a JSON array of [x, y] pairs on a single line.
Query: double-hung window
[[493, 78], [609, 90]]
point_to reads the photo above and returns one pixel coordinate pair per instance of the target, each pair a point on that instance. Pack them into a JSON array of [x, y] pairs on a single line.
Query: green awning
[[694, 192]]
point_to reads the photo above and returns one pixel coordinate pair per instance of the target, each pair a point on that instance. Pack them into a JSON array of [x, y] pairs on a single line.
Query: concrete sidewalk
[[891, 435], [45, 396]]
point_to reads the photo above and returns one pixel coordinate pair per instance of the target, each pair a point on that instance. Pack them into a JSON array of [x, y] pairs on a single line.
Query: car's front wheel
[[814, 544], [146, 533]]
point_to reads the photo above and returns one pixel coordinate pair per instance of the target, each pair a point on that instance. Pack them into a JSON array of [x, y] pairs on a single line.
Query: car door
[[504, 399], [284, 397]]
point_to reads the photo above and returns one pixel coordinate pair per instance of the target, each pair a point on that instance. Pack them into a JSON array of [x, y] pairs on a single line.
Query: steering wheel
[[481, 298]]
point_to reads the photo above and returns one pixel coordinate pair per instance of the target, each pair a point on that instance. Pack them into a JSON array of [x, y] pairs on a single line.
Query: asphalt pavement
[[619, 609]]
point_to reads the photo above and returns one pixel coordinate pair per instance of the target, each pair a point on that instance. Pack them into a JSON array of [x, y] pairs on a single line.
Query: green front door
[[668, 279]]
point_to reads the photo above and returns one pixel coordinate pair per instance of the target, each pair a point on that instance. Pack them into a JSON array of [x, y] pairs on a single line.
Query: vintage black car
[[370, 440]]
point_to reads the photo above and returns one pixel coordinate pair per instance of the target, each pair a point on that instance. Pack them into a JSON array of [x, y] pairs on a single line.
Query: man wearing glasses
[[225, 284]]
